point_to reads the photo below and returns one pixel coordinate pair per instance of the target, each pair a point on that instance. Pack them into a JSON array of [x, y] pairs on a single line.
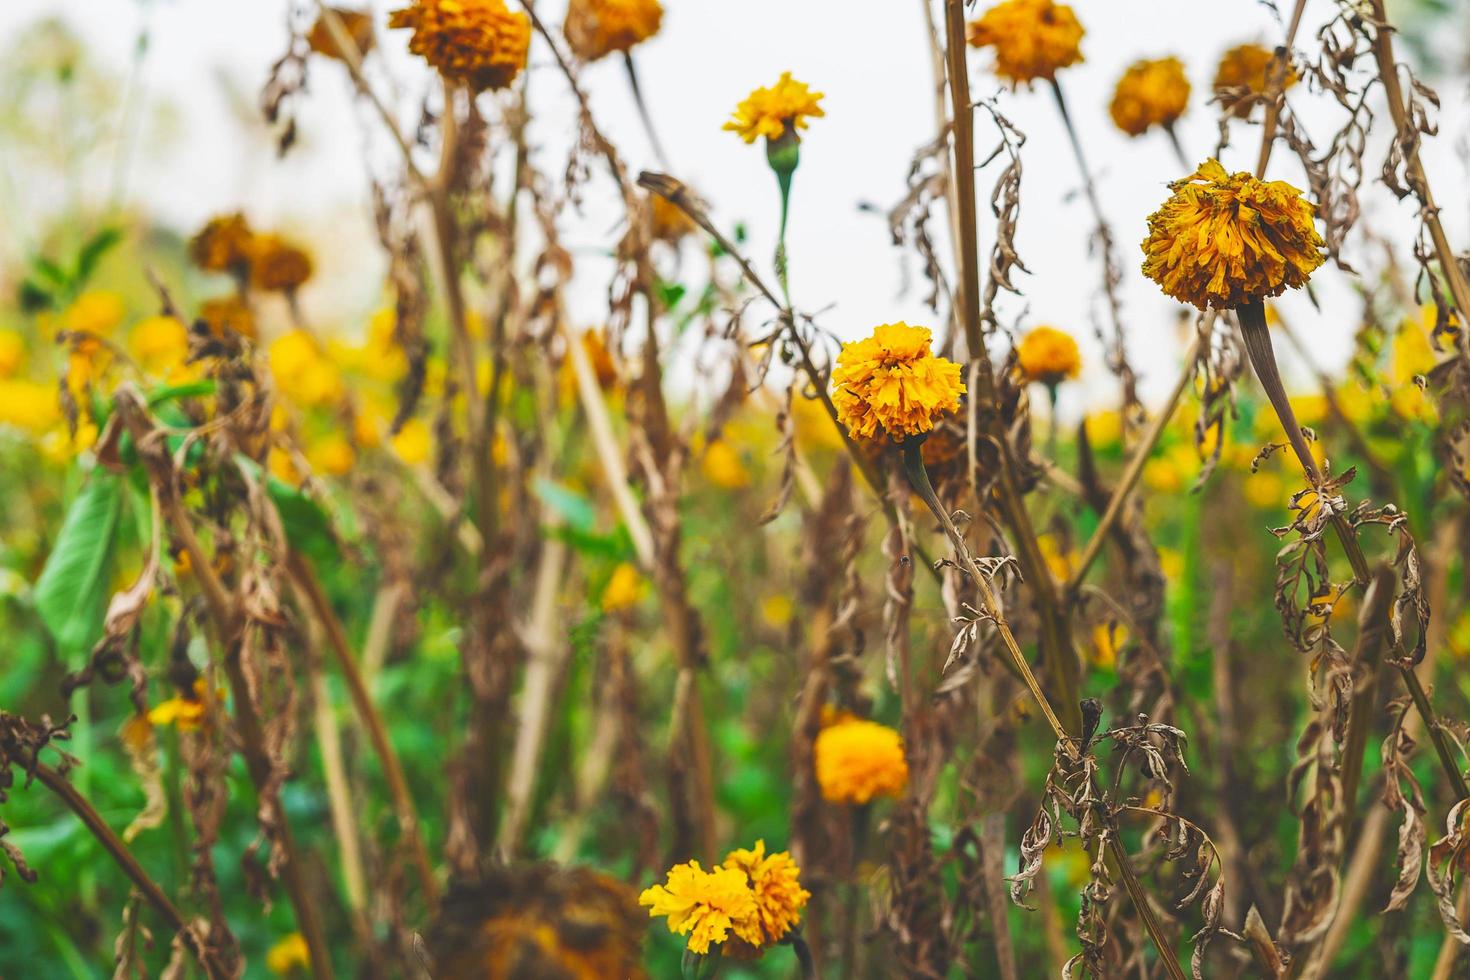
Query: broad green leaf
[[92, 252], [308, 529], [71, 593], [575, 509]]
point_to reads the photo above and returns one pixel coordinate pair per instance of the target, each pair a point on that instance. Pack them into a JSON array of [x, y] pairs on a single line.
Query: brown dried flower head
[[480, 43]]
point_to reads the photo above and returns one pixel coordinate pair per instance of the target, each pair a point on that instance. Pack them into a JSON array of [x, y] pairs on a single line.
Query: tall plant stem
[[1408, 138], [1059, 659], [919, 479], [118, 851], [408, 822], [643, 113]]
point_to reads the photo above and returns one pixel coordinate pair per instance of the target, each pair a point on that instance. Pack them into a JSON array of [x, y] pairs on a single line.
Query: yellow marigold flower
[[480, 43], [223, 244], [892, 381], [303, 372], [332, 455], [226, 315], [777, 610], [1241, 79], [28, 405], [1150, 93], [775, 111], [1265, 491], [776, 881], [1048, 355], [1222, 240], [288, 955], [706, 905], [1060, 563], [1105, 428], [12, 352], [159, 344], [412, 442], [1032, 38], [670, 223], [183, 713], [597, 28], [857, 760], [1107, 640], [623, 589], [722, 466], [276, 265], [97, 311], [359, 25]]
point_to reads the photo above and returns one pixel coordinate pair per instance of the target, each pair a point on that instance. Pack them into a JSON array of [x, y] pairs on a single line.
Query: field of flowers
[[463, 638]]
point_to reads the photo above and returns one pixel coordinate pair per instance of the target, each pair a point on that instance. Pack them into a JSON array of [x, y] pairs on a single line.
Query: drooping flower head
[[892, 381], [776, 881], [1224, 239], [1243, 78], [776, 111], [359, 27], [857, 760], [1032, 39], [277, 265], [706, 905], [597, 28], [1150, 93], [223, 244], [480, 43], [1048, 355]]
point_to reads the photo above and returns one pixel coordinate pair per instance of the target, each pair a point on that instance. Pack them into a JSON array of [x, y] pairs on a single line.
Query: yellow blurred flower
[[1412, 356], [857, 760], [597, 28], [281, 466], [1048, 355], [1171, 563], [1105, 428], [184, 713], [722, 466], [1033, 39], [892, 382], [61, 445], [775, 111], [223, 244], [670, 223], [359, 27], [1224, 239], [623, 589], [1061, 564], [12, 352], [303, 372], [97, 311], [705, 905], [776, 881], [777, 610], [479, 43], [1150, 93], [1241, 78], [1265, 490], [412, 442], [276, 265], [159, 344], [29, 405], [1107, 640], [331, 454], [288, 956], [226, 315]]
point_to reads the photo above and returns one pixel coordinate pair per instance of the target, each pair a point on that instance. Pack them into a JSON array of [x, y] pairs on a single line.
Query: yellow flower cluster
[[597, 28], [1048, 355], [1150, 93], [1242, 78], [1032, 39], [480, 43], [857, 760], [1224, 239], [893, 382], [756, 896], [772, 112], [302, 370]]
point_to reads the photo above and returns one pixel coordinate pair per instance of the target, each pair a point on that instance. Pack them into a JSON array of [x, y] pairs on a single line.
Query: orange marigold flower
[[597, 28], [776, 881], [1224, 239], [227, 314], [277, 265], [1242, 78], [481, 43], [706, 905], [1150, 93], [775, 111], [892, 381], [670, 223], [223, 244], [858, 760], [359, 26], [1048, 355], [1032, 38]]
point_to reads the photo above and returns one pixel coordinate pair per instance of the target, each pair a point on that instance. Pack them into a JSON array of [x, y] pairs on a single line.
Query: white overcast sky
[[871, 59]]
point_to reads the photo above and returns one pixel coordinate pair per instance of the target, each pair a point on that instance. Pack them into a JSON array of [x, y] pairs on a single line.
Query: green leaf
[[71, 593], [92, 252], [308, 528], [49, 271], [575, 509]]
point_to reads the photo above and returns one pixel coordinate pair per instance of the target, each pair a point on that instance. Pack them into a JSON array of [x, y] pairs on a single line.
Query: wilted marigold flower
[[223, 244], [1048, 355], [776, 881], [359, 26], [227, 314], [1226, 239], [597, 28], [892, 381], [857, 760], [706, 905], [773, 112], [1242, 78], [481, 43], [1032, 38], [1150, 93], [276, 265]]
